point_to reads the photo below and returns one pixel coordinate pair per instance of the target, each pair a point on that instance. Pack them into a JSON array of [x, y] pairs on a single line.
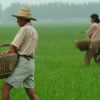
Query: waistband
[[28, 57]]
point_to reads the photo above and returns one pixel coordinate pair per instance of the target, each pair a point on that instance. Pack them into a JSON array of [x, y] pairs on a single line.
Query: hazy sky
[[6, 3]]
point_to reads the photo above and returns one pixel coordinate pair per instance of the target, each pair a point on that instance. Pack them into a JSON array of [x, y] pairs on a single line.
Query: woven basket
[[82, 45], [8, 63]]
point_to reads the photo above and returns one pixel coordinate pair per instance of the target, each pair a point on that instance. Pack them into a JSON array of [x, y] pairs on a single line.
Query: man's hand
[[7, 52]]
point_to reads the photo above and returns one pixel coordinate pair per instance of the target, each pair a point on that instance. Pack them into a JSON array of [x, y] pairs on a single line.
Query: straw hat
[[24, 12]]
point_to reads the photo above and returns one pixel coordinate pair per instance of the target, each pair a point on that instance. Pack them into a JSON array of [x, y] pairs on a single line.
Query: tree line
[[53, 12]]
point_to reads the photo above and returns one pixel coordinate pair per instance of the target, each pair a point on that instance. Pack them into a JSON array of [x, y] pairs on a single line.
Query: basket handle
[[5, 45], [79, 34]]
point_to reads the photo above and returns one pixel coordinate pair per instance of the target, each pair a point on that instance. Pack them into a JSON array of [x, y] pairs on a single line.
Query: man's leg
[[6, 91], [31, 93], [97, 58], [88, 56]]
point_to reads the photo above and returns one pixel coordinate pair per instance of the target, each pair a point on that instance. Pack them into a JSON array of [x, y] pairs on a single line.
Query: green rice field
[[60, 72]]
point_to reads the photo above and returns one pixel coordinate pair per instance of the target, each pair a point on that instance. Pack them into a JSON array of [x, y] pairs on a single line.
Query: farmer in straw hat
[[24, 43], [92, 34]]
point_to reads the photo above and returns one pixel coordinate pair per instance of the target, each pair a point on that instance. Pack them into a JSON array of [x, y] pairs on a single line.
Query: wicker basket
[[7, 63], [82, 45]]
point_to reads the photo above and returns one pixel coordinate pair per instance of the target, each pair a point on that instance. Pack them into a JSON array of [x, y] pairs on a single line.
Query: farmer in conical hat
[[24, 43], [94, 28]]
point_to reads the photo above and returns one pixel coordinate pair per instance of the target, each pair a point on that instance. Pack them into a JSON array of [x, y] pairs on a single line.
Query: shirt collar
[[29, 23]]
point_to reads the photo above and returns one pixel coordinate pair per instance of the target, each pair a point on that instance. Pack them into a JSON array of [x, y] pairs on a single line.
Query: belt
[[28, 57]]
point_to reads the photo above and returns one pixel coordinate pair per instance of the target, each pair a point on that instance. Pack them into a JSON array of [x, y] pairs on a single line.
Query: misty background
[[53, 12]]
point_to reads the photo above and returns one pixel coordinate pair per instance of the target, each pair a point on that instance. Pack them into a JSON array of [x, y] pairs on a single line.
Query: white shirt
[[26, 40]]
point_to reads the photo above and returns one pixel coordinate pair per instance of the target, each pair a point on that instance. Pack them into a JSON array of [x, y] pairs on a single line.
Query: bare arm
[[90, 31], [13, 48]]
